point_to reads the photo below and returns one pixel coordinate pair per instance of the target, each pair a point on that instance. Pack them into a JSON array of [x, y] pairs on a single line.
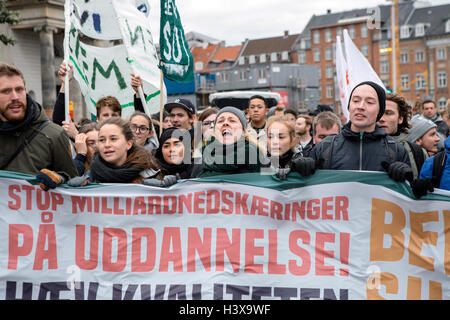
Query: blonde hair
[[284, 120]]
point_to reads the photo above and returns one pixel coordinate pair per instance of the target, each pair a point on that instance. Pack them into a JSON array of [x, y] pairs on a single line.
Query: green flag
[[177, 62]]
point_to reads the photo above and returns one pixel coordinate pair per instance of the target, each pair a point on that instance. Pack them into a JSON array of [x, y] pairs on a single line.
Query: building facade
[[421, 65]]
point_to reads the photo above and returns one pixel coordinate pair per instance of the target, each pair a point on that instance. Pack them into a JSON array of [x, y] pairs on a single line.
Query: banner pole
[[161, 102], [66, 58]]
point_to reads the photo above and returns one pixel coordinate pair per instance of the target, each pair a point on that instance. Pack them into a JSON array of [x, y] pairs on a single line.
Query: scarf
[[105, 172], [30, 112], [183, 169], [233, 158], [283, 160]]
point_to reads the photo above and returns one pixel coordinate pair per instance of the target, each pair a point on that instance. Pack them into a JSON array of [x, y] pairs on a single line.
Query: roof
[[269, 45], [227, 54], [435, 17], [204, 54], [333, 19]]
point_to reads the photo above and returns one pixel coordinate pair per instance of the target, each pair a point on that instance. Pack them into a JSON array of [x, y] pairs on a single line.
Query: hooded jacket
[[49, 149], [442, 126], [359, 151], [427, 168]]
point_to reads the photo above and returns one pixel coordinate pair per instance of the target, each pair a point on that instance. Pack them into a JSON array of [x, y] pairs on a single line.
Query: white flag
[[352, 70], [137, 37], [342, 77], [359, 68], [103, 71]]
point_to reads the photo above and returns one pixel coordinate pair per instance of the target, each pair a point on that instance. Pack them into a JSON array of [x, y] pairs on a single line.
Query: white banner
[[105, 70], [209, 240]]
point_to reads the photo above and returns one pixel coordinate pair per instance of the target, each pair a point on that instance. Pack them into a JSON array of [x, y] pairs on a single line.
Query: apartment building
[[422, 64]]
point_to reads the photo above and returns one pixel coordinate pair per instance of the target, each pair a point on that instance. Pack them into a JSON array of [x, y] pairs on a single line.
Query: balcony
[[205, 86]]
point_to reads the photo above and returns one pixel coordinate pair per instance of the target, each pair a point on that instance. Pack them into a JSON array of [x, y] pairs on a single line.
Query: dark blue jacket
[[427, 168], [359, 151]]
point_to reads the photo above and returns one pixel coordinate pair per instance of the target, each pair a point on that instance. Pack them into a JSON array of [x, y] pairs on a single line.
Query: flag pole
[[161, 101], [66, 58]]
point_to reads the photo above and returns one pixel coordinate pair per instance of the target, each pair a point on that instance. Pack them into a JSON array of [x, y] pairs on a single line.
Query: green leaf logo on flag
[[177, 62]]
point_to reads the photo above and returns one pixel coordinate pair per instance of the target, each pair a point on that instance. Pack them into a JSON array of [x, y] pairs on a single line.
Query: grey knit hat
[[420, 126], [238, 113]]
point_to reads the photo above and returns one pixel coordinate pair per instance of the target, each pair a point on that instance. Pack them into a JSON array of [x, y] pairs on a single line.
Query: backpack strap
[[419, 157], [26, 142], [391, 148], [438, 166], [327, 153]]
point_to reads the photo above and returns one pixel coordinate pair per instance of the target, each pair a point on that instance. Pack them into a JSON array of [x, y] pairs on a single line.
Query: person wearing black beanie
[[380, 92], [361, 145]]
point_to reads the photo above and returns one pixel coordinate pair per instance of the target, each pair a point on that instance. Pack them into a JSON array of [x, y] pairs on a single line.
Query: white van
[[239, 99]]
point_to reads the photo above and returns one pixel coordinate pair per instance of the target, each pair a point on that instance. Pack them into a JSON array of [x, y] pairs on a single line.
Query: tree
[[9, 17]]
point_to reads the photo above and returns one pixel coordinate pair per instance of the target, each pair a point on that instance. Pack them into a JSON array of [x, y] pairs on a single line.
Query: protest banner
[[101, 60], [334, 235]]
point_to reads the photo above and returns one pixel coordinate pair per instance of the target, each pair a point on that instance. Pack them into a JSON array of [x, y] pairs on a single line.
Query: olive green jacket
[[49, 149]]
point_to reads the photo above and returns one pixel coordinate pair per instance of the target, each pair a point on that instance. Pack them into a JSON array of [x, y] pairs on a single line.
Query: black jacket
[[359, 151]]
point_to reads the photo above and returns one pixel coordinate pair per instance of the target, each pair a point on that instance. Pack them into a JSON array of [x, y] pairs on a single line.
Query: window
[[404, 81], [301, 57], [303, 44], [351, 32], [420, 81], [441, 79], [329, 91], [319, 73], [262, 58], [404, 57], [384, 67], [442, 102], [243, 75], [241, 60], [316, 55], [365, 49], [329, 71], [316, 37], [327, 54], [199, 65], [262, 73], [251, 59], [420, 30], [285, 56], [273, 56], [420, 56], [384, 44], [225, 76], [363, 31], [441, 53], [404, 32], [327, 35], [447, 26], [339, 32]]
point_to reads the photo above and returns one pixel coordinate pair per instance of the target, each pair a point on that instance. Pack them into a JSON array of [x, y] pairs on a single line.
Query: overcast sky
[[235, 20]]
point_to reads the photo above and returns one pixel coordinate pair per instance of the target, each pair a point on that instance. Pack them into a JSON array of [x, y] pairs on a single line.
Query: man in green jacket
[[23, 119]]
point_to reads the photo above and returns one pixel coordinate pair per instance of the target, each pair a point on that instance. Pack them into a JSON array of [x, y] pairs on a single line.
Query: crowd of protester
[[381, 134]]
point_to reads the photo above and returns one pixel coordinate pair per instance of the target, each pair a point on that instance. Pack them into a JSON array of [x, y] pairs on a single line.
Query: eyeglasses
[[207, 123], [142, 129]]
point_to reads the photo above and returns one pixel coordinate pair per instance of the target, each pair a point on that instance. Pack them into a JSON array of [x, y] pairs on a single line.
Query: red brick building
[[424, 46]]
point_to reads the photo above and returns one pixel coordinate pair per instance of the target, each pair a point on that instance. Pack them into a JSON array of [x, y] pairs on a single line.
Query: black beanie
[[167, 134], [381, 93]]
